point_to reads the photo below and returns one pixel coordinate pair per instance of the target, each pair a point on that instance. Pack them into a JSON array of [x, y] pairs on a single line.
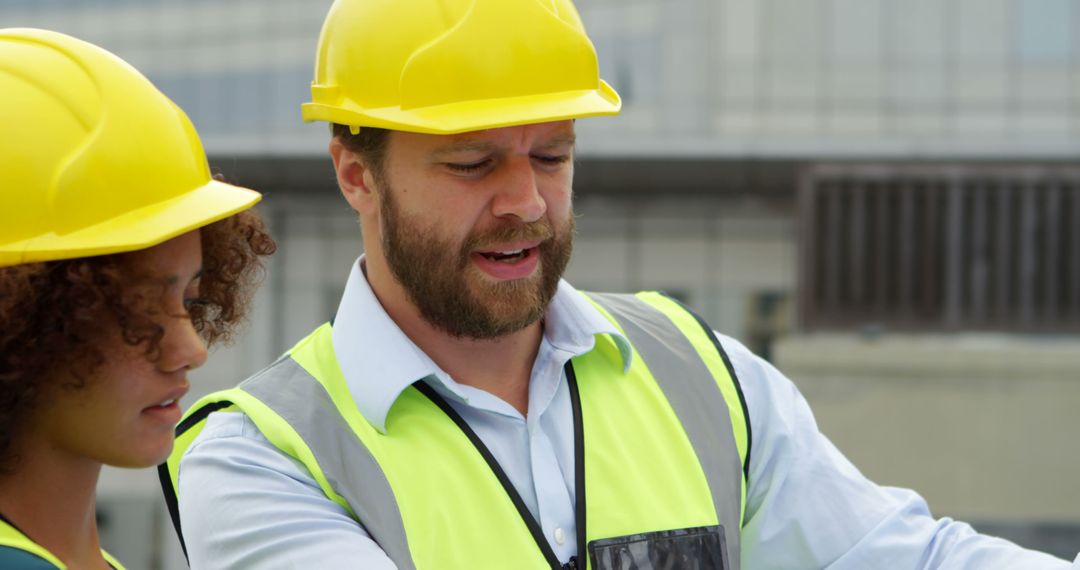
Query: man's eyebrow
[[463, 146], [484, 146], [568, 139]]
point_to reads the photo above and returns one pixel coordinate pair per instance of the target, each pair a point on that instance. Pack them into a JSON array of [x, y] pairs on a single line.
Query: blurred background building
[[877, 195]]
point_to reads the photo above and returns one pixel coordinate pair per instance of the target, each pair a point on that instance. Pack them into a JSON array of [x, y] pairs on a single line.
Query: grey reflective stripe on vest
[[692, 392], [350, 468]]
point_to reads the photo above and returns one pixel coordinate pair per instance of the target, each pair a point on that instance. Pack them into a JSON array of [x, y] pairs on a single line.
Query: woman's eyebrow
[[175, 279]]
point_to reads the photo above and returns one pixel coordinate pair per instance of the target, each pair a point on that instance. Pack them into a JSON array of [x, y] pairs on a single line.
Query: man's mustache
[[508, 233]]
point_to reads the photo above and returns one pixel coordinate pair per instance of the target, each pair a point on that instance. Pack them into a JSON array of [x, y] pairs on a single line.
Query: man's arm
[[244, 504], [809, 507]]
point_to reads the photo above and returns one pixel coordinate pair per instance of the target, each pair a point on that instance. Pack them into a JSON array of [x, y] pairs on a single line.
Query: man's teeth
[[166, 403], [510, 255]]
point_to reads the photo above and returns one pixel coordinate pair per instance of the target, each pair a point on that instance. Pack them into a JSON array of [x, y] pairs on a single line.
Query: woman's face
[[125, 413]]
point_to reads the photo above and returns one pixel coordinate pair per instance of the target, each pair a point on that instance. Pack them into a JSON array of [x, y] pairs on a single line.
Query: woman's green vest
[[11, 537], [661, 453]]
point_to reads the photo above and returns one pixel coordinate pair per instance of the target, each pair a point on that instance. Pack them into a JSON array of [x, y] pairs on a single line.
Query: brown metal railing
[[940, 247]]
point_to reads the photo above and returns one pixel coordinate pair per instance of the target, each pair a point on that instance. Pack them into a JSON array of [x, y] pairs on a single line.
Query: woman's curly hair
[[51, 313]]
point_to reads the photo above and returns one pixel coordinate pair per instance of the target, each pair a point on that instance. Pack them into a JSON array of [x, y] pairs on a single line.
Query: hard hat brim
[[136, 229], [468, 116]]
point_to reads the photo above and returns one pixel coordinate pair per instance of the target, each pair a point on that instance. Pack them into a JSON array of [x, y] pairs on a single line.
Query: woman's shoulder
[[12, 558]]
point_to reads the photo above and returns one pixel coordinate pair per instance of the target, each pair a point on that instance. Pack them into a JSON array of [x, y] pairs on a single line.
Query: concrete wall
[[984, 426]]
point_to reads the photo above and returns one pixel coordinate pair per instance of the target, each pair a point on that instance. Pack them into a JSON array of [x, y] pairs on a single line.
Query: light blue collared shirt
[[243, 504]]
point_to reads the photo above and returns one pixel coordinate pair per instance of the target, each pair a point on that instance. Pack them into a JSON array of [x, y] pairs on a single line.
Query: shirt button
[[560, 536]]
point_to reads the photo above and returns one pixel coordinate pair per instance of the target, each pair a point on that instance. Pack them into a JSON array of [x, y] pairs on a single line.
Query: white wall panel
[[719, 76]]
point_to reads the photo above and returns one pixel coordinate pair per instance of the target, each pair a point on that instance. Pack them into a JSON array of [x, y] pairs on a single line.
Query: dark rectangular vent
[[944, 247]]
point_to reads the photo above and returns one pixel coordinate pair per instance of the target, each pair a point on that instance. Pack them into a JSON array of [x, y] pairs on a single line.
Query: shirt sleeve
[[244, 504], [807, 506]]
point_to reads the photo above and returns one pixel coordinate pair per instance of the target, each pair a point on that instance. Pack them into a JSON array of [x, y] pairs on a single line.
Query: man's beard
[[451, 293]]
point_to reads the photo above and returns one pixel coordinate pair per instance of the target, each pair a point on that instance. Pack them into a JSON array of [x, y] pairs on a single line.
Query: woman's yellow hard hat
[[449, 66], [93, 158]]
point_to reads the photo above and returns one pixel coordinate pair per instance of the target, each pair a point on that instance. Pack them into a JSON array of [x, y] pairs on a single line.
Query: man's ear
[[355, 179]]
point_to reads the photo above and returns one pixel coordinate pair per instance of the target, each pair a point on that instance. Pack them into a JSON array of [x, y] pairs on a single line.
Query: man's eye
[[552, 160], [468, 167]]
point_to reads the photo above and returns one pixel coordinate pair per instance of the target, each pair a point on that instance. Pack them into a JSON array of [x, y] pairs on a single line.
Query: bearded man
[[468, 408]]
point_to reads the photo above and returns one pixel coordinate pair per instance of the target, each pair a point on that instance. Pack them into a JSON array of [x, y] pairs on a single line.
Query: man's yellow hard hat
[[93, 158], [449, 66]]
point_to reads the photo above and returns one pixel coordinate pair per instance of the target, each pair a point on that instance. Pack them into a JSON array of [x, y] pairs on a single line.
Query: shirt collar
[[379, 361]]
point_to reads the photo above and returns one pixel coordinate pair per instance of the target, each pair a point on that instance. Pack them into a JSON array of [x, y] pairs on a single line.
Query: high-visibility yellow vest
[[12, 537], [660, 453]]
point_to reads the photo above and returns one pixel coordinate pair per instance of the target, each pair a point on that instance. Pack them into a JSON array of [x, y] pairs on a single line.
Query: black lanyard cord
[[523, 511]]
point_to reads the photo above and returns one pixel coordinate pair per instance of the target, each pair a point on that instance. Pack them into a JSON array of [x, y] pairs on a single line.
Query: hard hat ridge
[[96, 159], [446, 66], [479, 74]]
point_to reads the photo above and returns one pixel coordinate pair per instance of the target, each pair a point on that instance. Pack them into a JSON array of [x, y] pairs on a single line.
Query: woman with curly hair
[[121, 259]]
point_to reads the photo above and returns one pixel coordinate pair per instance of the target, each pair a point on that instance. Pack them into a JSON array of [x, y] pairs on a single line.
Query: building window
[[1044, 30]]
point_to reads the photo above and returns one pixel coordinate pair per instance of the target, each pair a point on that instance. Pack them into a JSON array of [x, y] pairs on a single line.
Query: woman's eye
[[190, 304]]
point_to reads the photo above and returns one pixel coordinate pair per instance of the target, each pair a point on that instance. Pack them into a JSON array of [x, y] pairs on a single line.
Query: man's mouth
[[510, 252], [509, 256], [509, 261]]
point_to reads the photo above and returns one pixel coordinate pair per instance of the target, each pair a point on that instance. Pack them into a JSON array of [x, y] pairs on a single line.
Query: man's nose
[[519, 193]]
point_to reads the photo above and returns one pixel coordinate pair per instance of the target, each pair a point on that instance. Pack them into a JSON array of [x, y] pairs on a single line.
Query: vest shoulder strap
[[36, 556], [639, 313], [300, 401], [11, 537], [696, 378]]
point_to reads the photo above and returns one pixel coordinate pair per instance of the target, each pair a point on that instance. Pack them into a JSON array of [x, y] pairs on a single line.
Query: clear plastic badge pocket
[[701, 548]]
